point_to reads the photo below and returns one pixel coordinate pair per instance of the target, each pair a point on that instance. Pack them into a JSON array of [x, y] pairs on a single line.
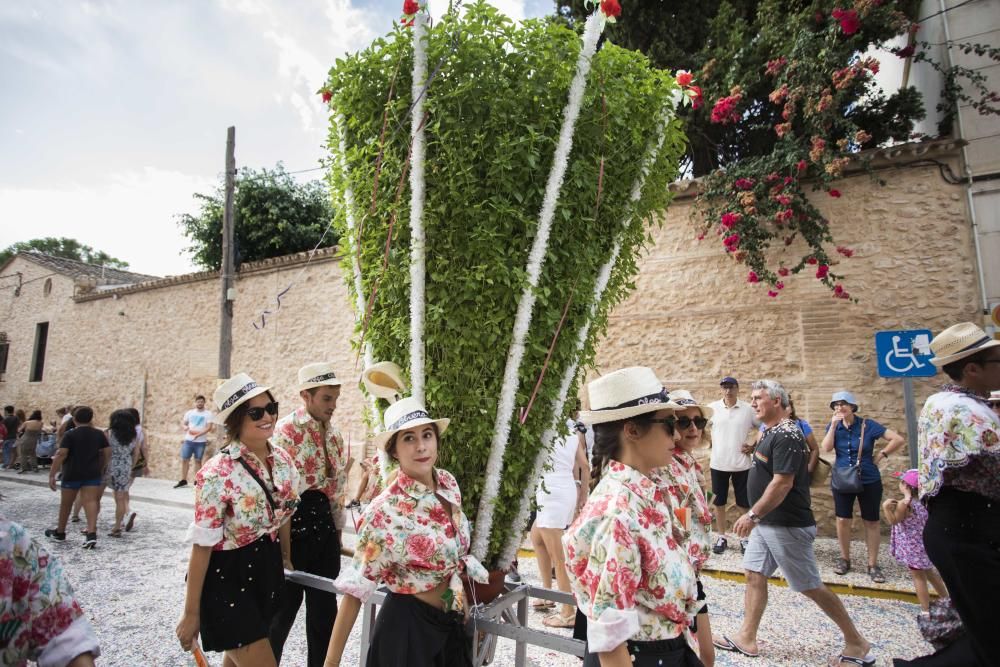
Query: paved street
[[132, 589]]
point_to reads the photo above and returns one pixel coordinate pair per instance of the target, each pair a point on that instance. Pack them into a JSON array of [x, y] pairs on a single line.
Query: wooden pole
[[225, 302]]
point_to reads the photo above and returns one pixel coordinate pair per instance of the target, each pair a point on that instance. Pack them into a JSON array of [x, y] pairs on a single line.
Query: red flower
[[729, 219], [771, 293], [838, 289], [731, 242], [775, 66], [611, 8], [410, 7], [752, 277], [326, 95], [782, 272], [701, 237], [802, 166], [848, 19], [822, 270], [696, 98], [845, 251], [684, 78], [779, 285], [811, 260], [905, 52], [724, 112], [784, 200], [743, 183], [835, 193]]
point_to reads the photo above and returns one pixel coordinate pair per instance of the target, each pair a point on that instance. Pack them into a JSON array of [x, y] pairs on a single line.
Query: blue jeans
[[8, 451]]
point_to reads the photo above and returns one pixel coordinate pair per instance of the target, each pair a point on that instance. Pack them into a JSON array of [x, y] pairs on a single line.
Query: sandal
[[876, 574], [559, 621], [117, 532], [542, 605], [860, 662], [842, 567]]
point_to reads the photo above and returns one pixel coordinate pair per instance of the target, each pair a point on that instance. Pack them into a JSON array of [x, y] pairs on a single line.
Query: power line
[[945, 11]]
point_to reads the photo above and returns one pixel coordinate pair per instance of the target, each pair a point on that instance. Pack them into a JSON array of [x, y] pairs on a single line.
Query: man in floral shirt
[[319, 453]]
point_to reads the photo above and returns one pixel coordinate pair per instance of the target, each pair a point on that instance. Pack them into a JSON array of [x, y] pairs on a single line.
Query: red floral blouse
[[231, 509], [410, 542], [300, 435], [631, 574]]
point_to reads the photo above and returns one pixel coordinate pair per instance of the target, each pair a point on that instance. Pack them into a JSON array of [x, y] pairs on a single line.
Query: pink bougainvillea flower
[[822, 270], [779, 285], [729, 219], [731, 242], [905, 52], [784, 200], [611, 9], [782, 272], [771, 293], [701, 237], [326, 95], [724, 111], [848, 19], [743, 183], [838, 289], [684, 78], [812, 260], [410, 7], [775, 66], [835, 193], [845, 251], [752, 277], [802, 166], [781, 129]]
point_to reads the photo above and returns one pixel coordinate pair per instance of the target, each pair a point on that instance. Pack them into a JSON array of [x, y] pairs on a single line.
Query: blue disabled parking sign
[[904, 353]]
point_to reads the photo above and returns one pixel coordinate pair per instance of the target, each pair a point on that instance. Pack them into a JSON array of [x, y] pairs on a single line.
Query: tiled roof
[[75, 269]]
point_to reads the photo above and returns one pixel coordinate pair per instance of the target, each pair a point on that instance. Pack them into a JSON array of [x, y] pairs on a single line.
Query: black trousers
[[315, 549], [962, 538]]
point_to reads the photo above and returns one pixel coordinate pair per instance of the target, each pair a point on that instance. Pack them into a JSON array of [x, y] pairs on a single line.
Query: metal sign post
[[906, 355]]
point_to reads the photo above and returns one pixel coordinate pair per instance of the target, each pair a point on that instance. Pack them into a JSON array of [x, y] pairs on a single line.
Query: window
[[4, 348], [38, 358]]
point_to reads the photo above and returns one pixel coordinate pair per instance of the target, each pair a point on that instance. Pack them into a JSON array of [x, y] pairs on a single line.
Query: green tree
[[273, 215], [65, 248]]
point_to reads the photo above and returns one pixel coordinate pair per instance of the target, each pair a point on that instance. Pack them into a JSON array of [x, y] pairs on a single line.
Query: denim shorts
[[191, 448], [78, 483], [786, 547]]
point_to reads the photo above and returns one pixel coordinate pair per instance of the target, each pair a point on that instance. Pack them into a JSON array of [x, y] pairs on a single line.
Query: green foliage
[[494, 114], [273, 215], [65, 248]]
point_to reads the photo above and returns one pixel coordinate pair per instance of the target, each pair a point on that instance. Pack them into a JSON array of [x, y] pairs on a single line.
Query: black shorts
[[720, 487], [663, 653], [410, 632], [870, 500]]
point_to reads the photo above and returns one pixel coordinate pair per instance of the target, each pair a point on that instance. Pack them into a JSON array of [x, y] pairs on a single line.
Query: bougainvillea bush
[[493, 110]]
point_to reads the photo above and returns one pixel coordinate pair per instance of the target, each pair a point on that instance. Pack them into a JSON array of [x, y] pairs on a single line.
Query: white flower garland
[[418, 257], [603, 277], [525, 307]]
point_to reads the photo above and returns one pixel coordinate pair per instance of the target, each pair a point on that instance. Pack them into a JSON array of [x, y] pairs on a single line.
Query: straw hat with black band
[[625, 393], [236, 390], [319, 374], [958, 342], [404, 414]]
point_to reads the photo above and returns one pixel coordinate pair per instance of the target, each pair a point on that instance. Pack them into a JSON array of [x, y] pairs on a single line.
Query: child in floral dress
[[908, 516], [629, 567]]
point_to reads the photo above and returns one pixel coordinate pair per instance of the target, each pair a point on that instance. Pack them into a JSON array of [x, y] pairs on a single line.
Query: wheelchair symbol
[[901, 355]]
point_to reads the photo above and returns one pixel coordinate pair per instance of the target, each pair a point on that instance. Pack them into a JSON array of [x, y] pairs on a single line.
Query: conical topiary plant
[[492, 188]]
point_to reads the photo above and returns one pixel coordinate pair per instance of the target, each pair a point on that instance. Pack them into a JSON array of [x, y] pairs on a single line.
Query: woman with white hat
[[632, 579], [853, 438], [994, 401], [243, 495], [414, 539]]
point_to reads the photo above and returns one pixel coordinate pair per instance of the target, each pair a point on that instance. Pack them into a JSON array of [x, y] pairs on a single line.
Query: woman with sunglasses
[[630, 571], [690, 431], [244, 496], [414, 539]]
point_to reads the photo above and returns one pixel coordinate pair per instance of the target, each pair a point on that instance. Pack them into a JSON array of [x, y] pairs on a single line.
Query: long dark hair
[[36, 415], [235, 418], [122, 426], [608, 443]]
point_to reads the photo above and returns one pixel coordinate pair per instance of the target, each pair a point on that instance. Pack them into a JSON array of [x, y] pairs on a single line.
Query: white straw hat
[[404, 414], [384, 380], [625, 393], [960, 341], [238, 389], [684, 399], [994, 397], [317, 375]]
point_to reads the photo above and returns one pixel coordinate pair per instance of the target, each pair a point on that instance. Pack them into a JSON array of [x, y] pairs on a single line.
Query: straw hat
[[236, 390], [960, 341], [994, 397], [317, 375], [404, 414], [384, 380], [625, 393], [684, 399]]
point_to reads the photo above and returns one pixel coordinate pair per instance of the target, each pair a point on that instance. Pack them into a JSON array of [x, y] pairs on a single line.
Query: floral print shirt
[[231, 509], [631, 575], [958, 438], [302, 437], [40, 620], [410, 542], [698, 521]]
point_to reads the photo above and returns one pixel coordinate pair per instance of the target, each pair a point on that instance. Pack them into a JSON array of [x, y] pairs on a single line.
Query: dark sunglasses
[[257, 414], [668, 423], [685, 422]]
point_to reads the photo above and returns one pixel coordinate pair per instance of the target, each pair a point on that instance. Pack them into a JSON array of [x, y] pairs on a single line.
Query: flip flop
[[557, 621], [728, 644], [130, 523], [840, 659], [542, 605]]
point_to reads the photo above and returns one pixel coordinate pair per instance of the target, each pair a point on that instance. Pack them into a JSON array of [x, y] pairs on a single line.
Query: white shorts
[[556, 503]]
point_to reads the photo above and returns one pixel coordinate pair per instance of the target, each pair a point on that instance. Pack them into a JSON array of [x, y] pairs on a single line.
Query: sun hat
[[627, 392], [845, 396], [384, 380], [959, 341], [317, 375], [238, 389], [729, 379], [994, 397], [684, 399], [910, 477], [403, 414]]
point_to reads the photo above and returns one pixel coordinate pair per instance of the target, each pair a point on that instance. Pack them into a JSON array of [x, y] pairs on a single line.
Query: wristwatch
[[753, 517]]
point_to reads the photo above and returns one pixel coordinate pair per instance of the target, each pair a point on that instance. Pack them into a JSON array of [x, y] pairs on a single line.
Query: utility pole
[[227, 295]]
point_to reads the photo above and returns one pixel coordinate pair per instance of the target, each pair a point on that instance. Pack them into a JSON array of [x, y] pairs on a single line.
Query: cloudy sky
[[115, 112]]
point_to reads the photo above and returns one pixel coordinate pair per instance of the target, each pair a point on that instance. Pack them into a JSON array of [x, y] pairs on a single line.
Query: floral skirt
[[241, 594]]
